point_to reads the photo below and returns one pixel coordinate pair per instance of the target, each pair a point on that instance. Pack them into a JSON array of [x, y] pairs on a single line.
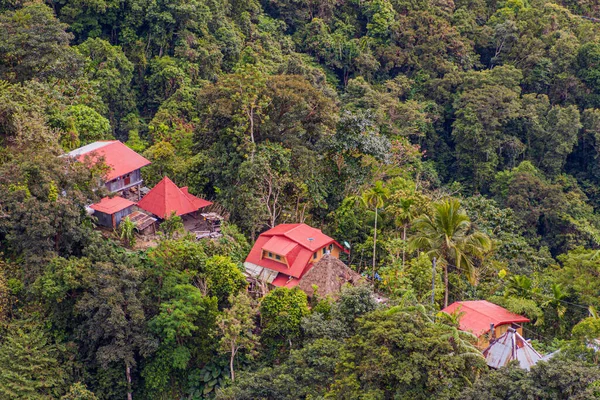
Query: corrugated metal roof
[[112, 205], [166, 197], [508, 347], [120, 158], [279, 245], [87, 148], [291, 241], [479, 314]]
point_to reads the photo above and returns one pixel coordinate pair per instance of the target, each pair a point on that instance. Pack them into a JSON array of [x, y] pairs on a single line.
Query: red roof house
[[124, 163], [166, 197], [111, 210], [479, 316], [283, 254]]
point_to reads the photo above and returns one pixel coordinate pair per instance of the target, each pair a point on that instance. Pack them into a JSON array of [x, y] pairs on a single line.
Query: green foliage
[[286, 111], [178, 317], [35, 45], [88, 124], [448, 236], [236, 325], [403, 354], [127, 228], [546, 380], [172, 226], [29, 363], [224, 278], [78, 391], [281, 313]]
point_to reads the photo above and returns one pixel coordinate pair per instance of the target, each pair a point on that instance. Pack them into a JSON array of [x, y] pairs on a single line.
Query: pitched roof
[[120, 158], [306, 236], [479, 314], [508, 347], [329, 274], [166, 197], [296, 242], [112, 205]]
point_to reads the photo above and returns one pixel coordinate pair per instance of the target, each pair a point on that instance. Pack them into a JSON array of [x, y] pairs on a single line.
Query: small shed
[[511, 346], [144, 223], [111, 210]]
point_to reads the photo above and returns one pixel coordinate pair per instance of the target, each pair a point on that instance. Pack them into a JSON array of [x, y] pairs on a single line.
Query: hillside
[[463, 133]]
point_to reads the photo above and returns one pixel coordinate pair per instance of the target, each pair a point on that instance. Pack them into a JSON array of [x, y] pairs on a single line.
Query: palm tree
[[449, 236], [375, 198], [127, 232], [405, 215]]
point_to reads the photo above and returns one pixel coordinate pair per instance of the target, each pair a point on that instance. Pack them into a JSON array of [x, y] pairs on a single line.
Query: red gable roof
[[479, 314], [120, 158], [166, 197], [112, 205], [296, 242]]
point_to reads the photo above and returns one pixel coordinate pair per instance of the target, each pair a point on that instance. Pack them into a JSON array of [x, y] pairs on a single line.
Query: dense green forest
[[465, 130]]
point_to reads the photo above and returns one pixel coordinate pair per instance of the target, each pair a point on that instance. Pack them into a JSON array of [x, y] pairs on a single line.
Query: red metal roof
[[112, 205], [291, 241], [166, 197], [120, 158], [196, 201], [280, 245], [479, 314], [285, 281]]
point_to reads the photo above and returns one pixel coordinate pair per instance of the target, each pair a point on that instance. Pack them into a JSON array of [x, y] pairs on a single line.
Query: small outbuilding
[[480, 317], [111, 210], [511, 346]]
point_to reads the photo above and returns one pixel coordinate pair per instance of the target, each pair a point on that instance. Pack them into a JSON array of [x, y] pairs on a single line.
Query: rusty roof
[[509, 347]]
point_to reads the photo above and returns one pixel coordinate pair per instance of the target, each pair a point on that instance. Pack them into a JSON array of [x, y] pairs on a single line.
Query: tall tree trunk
[[231, 363], [251, 115], [374, 246], [446, 285], [128, 374], [404, 245]]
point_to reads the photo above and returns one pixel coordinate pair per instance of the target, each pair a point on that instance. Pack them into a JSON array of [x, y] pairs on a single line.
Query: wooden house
[[111, 210], [482, 318], [282, 255], [124, 164]]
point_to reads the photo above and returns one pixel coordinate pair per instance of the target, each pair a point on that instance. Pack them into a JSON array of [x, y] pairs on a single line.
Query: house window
[[324, 250], [278, 257], [315, 256], [331, 246], [270, 255]]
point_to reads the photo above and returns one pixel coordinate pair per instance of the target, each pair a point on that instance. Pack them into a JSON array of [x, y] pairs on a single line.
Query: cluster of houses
[[288, 255], [129, 198]]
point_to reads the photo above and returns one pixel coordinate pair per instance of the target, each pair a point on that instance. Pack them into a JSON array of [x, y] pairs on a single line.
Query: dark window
[[270, 254], [315, 256], [278, 257], [324, 250]]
